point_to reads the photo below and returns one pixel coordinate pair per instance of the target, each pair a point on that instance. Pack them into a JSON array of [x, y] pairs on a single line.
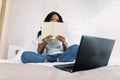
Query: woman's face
[[54, 18]]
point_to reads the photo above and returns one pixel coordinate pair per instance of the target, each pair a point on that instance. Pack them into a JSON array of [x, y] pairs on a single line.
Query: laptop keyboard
[[68, 66]]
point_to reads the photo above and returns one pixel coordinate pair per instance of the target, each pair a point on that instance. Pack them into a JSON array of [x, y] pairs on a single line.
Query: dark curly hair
[[48, 18], [39, 33]]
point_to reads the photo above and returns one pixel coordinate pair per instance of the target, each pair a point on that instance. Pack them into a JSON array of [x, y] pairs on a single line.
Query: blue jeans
[[68, 56]]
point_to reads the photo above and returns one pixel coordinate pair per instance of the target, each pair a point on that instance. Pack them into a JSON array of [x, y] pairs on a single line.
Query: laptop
[[93, 52]]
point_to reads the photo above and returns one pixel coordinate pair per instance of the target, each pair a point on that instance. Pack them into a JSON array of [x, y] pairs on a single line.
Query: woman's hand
[[47, 38], [41, 46], [62, 39]]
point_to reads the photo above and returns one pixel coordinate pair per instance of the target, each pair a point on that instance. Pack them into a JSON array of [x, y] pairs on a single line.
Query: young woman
[[51, 50]]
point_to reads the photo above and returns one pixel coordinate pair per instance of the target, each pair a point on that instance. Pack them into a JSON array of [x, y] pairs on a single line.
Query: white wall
[[92, 17]]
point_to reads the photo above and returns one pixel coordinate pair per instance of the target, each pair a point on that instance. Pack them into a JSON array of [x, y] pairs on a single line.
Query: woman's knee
[[26, 56], [27, 53], [70, 54], [74, 47], [32, 57]]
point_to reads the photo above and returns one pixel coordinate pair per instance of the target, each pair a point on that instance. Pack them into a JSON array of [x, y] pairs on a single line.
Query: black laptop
[[93, 52]]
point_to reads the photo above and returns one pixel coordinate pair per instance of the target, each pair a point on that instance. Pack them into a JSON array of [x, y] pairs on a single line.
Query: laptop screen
[[93, 52]]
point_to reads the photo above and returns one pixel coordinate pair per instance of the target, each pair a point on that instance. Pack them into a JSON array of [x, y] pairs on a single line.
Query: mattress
[[18, 71]]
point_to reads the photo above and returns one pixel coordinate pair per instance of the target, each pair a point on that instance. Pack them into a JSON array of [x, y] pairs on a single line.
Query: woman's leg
[[32, 57], [70, 54], [53, 58]]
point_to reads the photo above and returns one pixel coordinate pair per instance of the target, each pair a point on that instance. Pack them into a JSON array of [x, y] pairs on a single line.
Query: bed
[[14, 69], [18, 71]]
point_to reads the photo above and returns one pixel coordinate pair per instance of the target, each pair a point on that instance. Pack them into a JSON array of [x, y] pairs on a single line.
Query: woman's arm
[[42, 45], [64, 45], [62, 39]]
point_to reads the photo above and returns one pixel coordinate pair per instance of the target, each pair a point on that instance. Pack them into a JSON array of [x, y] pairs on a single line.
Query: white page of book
[[54, 29]]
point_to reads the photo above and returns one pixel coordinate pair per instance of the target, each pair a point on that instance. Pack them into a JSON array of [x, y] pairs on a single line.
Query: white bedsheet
[[7, 61], [12, 71], [51, 64], [43, 64]]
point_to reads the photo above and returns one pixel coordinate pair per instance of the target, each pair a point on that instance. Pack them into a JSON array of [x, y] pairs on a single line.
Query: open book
[[54, 29]]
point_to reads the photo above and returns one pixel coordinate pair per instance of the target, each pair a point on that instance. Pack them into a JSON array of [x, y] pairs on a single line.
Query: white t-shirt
[[53, 47]]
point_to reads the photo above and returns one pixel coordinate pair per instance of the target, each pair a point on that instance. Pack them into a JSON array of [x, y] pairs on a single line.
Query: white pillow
[[29, 46]]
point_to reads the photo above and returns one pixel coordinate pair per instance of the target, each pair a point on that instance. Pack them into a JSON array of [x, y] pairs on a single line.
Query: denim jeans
[[68, 56]]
